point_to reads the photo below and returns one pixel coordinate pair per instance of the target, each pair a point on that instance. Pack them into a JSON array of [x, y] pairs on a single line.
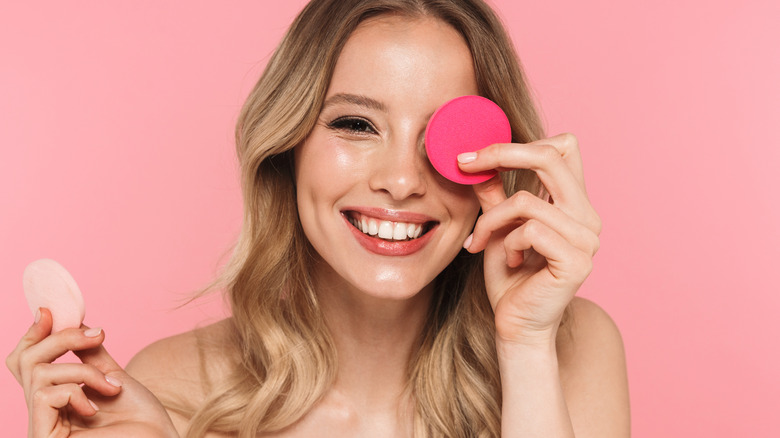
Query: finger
[[100, 359], [544, 159], [523, 206], [37, 332], [47, 402], [565, 263], [565, 189], [46, 374], [57, 344], [568, 146], [490, 193]]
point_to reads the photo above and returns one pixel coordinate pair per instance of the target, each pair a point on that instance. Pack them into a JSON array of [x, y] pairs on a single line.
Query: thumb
[[490, 193], [99, 358]]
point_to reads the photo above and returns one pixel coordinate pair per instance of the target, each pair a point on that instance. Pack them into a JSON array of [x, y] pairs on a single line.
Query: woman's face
[[383, 220]]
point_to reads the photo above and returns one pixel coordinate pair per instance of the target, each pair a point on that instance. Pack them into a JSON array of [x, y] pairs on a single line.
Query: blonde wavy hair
[[288, 359]]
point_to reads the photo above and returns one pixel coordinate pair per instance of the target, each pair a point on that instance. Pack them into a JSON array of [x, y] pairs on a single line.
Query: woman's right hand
[[95, 398]]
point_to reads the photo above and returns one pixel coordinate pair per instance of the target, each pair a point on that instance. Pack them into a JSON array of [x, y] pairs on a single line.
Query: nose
[[400, 170]]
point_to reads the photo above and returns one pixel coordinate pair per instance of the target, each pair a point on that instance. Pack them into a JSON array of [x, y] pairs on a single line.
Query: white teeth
[[399, 231], [386, 229]]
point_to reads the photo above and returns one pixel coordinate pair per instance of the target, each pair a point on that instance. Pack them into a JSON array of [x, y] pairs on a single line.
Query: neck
[[374, 337]]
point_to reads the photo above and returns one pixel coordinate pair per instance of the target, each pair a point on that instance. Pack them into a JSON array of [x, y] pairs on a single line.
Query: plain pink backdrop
[[117, 160]]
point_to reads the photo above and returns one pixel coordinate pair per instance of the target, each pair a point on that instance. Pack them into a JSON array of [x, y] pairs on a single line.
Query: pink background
[[117, 160]]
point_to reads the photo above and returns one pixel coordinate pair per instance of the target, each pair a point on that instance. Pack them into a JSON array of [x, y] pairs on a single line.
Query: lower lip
[[388, 247]]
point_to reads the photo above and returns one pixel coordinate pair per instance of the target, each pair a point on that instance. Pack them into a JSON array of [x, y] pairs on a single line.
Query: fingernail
[[94, 406], [113, 381], [467, 243], [467, 157], [91, 333], [38, 315]]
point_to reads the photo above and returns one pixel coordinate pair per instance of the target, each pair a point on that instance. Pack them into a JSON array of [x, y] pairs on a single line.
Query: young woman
[[464, 326]]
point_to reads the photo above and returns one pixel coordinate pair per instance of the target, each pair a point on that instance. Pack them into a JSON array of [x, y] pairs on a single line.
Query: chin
[[392, 285]]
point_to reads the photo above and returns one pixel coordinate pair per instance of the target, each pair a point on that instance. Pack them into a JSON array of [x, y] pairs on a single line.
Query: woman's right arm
[[96, 395]]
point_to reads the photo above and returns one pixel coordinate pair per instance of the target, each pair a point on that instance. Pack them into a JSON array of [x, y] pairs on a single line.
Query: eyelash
[[349, 124]]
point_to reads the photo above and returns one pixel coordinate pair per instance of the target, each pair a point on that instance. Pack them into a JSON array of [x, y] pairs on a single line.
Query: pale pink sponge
[[464, 124], [47, 284]]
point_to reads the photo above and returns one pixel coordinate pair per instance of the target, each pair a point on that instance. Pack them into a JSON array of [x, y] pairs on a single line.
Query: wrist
[[536, 339], [528, 348]]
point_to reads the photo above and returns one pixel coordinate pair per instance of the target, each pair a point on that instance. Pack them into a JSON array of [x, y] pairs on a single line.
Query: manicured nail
[[467, 243], [114, 381], [91, 333], [467, 157], [38, 315], [94, 406]]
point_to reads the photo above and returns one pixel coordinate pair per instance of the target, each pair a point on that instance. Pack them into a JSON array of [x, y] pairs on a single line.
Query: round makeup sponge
[[464, 124], [47, 284]]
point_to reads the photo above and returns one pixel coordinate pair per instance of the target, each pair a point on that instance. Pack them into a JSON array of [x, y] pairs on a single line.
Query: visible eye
[[353, 125]]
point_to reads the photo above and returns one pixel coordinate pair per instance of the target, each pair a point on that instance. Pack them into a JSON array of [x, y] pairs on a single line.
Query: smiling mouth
[[393, 231]]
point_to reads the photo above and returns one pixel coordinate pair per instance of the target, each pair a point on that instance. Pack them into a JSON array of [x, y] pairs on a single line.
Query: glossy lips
[[389, 233], [464, 124]]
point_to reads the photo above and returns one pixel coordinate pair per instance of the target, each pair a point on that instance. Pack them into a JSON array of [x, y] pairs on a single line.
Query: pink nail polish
[[38, 315], [91, 333], [467, 243], [94, 406], [113, 381], [467, 157]]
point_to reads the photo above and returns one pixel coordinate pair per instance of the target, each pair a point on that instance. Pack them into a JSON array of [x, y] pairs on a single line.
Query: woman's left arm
[[537, 254]]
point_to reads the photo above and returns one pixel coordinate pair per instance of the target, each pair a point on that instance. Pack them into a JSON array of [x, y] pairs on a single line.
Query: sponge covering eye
[[464, 124]]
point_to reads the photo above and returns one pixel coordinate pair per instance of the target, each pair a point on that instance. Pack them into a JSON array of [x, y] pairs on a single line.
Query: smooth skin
[[537, 254]]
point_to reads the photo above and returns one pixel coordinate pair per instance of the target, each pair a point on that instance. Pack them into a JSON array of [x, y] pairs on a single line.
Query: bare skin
[[537, 254], [590, 356]]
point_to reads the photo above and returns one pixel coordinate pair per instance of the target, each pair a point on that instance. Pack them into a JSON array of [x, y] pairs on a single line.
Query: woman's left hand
[[537, 252]]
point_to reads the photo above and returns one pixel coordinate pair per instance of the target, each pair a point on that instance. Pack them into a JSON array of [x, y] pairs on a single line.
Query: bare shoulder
[[592, 367], [180, 369]]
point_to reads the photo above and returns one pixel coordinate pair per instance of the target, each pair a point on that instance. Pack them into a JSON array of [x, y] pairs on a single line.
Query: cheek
[[326, 161], [326, 172], [463, 202]]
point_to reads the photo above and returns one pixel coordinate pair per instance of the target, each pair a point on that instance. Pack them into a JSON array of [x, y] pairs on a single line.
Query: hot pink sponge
[[47, 284], [464, 124]]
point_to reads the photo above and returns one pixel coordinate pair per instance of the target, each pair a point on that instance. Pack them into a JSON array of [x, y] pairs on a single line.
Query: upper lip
[[391, 215]]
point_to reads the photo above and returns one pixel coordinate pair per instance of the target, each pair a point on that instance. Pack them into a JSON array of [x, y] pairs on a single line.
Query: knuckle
[[25, 362], [532, 227], [497, 151], [585, 264], [597, 224], [595, 244], [570, 140], [38, 372], [11, 361], [550, 153], [522, 200], [40, 396]]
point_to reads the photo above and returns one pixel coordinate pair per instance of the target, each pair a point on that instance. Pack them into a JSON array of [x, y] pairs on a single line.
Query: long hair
[[287, 360]]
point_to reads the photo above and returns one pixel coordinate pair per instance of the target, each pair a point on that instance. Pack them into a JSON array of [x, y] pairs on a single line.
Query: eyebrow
[[355, 99]]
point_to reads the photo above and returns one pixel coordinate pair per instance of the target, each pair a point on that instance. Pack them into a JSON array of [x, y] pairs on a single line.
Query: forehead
[[403, 55]]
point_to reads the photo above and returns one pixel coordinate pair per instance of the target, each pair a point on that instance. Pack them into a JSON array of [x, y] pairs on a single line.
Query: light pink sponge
[[47, 284], [464, 124]]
